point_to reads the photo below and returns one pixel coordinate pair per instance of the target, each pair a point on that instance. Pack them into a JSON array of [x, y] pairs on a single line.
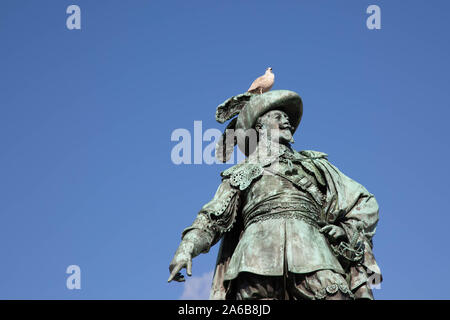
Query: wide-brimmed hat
[[284, 100], [249, 107]]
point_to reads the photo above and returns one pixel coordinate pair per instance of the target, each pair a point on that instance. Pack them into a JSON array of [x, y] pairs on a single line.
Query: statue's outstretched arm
[[215, 218], [194, 242]]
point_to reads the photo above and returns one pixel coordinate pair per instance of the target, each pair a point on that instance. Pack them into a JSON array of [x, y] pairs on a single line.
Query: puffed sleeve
[[216, 217]]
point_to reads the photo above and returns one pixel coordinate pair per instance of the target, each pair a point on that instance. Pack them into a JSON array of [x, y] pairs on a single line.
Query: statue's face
[[277, 125]]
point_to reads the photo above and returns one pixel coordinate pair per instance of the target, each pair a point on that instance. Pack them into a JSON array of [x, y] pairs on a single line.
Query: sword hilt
[[359, 229]]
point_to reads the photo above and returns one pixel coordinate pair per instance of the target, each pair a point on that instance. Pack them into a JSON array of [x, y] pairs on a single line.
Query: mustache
[[286, 126]]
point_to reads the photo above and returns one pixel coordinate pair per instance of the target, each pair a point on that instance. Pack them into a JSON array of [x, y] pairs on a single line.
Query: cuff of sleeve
[[200, 239]]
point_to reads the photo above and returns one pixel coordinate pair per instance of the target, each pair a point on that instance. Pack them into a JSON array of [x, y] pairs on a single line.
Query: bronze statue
[[292, 225]]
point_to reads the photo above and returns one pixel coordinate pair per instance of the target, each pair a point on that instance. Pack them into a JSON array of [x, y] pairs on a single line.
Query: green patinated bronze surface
[[292, 225]]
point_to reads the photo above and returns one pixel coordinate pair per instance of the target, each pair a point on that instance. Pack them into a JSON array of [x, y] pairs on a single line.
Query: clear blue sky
[[86, 117]]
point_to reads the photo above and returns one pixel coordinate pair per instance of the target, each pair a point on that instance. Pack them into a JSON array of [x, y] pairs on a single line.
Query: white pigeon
[[263, 83]]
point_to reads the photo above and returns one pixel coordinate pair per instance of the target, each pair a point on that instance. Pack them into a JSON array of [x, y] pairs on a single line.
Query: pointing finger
[[174, 272]]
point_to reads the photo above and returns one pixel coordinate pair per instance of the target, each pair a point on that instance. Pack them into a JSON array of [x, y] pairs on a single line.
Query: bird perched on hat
[[264, 83]]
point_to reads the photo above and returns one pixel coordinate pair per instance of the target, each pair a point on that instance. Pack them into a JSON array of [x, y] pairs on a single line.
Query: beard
[[285, 136]]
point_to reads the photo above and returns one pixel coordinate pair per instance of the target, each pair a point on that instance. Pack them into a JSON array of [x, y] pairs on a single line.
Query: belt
[[285, 214]]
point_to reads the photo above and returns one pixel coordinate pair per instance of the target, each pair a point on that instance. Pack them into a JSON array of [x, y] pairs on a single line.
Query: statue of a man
[[292, 225]]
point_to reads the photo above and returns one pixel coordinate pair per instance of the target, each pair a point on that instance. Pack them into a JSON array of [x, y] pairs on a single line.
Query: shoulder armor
[[243, 174], [313, 154]]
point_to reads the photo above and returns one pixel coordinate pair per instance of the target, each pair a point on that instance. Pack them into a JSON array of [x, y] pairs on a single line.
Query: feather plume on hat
[[226, 111]]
